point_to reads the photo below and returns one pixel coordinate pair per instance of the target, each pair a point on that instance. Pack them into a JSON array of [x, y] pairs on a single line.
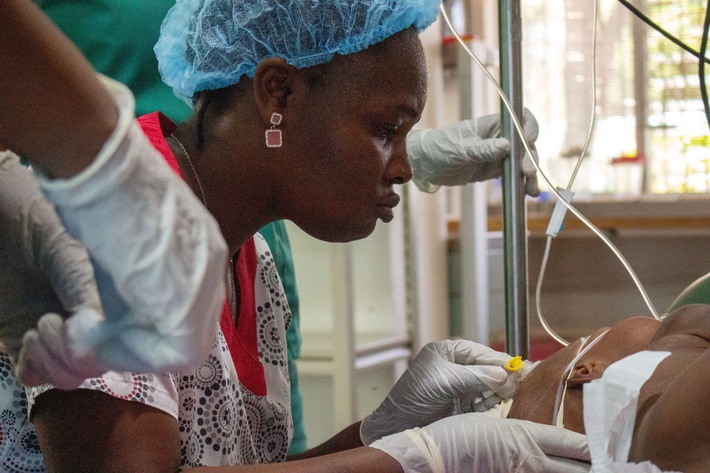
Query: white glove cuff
[[379, 423], [414, 449], [79, 189]]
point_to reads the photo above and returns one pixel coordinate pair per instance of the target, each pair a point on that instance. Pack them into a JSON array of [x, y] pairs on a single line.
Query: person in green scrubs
[[117, 37]]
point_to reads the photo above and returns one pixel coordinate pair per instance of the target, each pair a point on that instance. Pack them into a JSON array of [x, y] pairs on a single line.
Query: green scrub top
[[117, 37]]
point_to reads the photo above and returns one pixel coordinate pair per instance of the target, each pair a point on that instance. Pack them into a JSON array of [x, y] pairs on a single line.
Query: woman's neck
[[223, 175]]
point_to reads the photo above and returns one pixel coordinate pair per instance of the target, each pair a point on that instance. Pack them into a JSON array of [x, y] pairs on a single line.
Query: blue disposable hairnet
[[210, 44]]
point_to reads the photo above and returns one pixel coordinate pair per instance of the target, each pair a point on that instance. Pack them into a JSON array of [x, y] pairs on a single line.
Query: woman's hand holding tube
[[451, 376], [468, 151], [476, 443]]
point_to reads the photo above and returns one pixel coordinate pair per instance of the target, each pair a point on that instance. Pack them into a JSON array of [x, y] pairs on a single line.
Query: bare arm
[[347, 439], [358, 460], [54, 110], [86, 430]]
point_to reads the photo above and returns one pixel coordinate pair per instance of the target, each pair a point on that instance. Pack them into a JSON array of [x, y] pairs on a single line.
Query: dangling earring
[[273, 134]]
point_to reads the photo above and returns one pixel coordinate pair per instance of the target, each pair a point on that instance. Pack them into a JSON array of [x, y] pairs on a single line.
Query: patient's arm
[[674, 433]]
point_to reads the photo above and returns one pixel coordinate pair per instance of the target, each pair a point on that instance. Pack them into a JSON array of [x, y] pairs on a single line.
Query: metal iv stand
[[514, 211]]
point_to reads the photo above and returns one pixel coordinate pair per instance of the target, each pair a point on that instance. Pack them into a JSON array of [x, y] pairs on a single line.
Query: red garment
[[242, 339]]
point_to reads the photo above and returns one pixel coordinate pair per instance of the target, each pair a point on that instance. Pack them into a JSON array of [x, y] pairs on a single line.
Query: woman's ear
[[585, 372], [273, 83]]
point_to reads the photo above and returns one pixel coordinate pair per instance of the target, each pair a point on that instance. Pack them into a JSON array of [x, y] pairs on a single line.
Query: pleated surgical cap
[[210, 44]]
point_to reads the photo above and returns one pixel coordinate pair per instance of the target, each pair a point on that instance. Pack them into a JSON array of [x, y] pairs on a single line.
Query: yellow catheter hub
[[514, 364]]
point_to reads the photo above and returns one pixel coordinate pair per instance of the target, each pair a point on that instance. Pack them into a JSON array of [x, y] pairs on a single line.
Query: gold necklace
[[194, 172], [230, 270], [233, 295]]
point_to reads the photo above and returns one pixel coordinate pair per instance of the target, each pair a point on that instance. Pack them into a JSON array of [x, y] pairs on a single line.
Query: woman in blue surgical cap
[[302, 111]]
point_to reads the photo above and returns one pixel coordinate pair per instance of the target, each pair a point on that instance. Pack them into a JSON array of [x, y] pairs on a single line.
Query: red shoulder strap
[[242, 340]]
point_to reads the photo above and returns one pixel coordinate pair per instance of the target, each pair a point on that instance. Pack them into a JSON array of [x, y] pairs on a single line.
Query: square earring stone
[[274, 138]]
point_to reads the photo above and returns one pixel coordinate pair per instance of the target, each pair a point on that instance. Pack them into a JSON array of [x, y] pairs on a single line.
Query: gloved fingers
[[531, 129], [38, 365], [28, 367], [485, 151], [530, 172], [527, 166], [83, 333], [559, 442], [46, 359], [64, 260], [476, 378], [531, 186], [494, 358], [484, 402], [489, 126], [485, 126], [467, 352]]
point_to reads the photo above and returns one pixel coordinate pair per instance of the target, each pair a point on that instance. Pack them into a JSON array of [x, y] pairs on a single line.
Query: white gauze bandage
[[610, 404]]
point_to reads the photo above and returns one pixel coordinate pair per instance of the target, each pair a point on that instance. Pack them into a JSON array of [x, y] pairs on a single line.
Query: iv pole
[[514, 211]]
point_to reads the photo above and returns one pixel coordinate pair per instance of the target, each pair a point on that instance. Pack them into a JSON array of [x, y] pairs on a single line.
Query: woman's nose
[[399, 169]]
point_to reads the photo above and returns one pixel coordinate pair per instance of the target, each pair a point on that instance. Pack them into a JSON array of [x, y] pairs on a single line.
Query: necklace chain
[[192, 166], [233, 295], [230, 270]]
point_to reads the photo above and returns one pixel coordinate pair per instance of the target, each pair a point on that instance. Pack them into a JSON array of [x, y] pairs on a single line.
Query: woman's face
[[348, 135]]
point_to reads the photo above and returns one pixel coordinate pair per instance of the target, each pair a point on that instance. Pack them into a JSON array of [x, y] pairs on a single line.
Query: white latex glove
[[48, 355], [159, 257], [468, 151], [42, 268], [475, 443], [447, 377]]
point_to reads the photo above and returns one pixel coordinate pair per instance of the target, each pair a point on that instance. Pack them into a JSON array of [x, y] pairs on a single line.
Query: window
[[650, 132]]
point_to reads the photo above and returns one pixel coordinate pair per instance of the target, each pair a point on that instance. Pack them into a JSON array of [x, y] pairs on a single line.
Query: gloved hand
[[475, 443], [42, 268], [447, 377], [468, 151], [159, 257], [48, 355]]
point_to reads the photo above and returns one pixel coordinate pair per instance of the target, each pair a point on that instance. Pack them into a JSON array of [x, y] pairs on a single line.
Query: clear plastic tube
[[544, 176]]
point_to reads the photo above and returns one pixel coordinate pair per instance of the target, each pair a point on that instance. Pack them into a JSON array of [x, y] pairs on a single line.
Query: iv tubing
[[592, 118], [569, 206]]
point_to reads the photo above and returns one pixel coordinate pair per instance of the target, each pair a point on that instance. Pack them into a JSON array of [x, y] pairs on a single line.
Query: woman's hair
[[211, 44]]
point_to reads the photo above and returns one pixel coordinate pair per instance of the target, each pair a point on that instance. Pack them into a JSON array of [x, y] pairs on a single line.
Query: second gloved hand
[[42, 268], [475, 443], [468, 151], [441, 379]]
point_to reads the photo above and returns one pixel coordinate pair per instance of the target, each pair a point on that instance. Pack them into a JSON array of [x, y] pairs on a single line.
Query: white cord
[[592, 118], [554, 190]]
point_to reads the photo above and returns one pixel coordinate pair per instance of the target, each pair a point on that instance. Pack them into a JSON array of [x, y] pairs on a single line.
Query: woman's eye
[[388, 130]]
